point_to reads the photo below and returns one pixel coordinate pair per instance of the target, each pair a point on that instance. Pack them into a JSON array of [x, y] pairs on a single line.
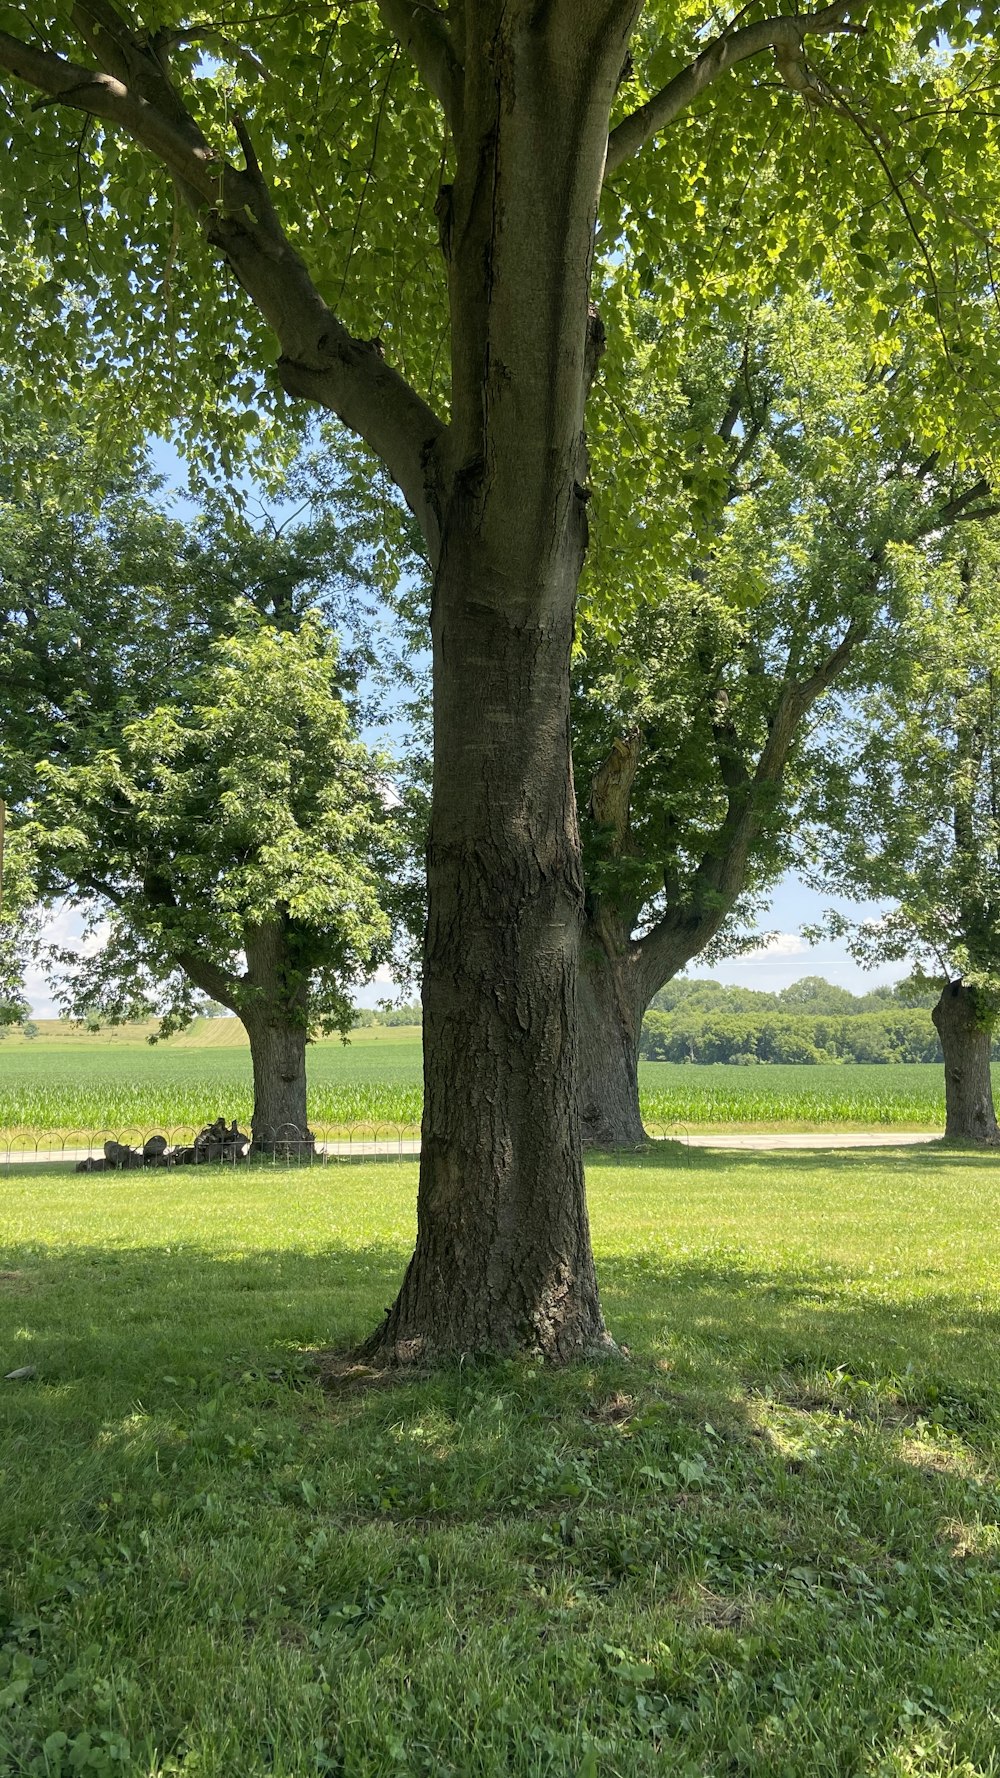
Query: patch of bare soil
[[612, 1410], [933, 1459], [344, 1373], [962, 1539], [714, 1611], [810, 1399]]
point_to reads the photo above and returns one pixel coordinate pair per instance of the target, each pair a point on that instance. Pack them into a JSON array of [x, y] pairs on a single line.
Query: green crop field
[[860, 1096], [766, 1546], [118, 1083], [46, 1086]]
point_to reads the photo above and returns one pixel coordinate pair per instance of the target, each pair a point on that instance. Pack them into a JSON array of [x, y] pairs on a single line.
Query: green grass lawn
[[373, 1084], [768, 1545]]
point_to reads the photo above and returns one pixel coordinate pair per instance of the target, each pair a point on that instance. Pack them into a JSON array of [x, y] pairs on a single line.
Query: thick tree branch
[[422, 31], [964, 507], [320, 360], [218, 984], [102, 95], [783, 35], [203, 971], [802, 696], [720, 875], [611, 790]]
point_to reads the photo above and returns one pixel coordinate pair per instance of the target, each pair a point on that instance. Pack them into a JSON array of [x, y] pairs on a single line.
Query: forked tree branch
[[784, 35], [320, 360], [423, 32]]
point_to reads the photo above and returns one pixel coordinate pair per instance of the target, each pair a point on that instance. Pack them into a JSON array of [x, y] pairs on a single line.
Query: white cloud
[[65, 928], [777, 944]]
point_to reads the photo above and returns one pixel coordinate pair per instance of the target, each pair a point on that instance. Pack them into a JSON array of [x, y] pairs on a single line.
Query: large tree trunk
[[503, 1257], [968, 1088], [278, 1054], [610, 1014]]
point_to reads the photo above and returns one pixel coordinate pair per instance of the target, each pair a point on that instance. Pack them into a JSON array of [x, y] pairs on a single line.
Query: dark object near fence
[[216, 1142]]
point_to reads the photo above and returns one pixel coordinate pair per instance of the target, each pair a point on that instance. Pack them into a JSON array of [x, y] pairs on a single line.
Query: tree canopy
[[438, 221], [909, 814], [703, 698]]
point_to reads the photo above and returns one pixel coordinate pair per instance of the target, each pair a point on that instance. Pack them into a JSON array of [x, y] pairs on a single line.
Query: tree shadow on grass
[[91, 1319], [610, 1516]]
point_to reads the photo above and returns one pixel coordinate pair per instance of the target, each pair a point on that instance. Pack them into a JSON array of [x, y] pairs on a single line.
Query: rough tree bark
[[278, 1055], [503, 1257], [611, 1006], [968, 1087], [271, 1000]]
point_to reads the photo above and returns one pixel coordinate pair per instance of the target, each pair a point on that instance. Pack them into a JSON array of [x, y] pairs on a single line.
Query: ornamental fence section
[[129, 1149], [126, 1148]]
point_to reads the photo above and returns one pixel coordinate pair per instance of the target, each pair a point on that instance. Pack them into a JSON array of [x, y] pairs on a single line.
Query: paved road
[[406, 1148]]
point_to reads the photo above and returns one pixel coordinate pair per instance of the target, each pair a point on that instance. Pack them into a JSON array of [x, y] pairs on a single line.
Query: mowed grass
[[374, 1084], [766, 1545]]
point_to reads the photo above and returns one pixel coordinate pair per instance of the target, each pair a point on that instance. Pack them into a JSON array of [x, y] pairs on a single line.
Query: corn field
[[361, 1089]]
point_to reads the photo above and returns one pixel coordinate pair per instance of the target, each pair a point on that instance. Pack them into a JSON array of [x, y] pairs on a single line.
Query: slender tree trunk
[[610, 1020], [274, 1010], [968, 1088]]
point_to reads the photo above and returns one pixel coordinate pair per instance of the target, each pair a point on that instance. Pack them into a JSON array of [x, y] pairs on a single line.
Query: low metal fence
[[127, 1148]]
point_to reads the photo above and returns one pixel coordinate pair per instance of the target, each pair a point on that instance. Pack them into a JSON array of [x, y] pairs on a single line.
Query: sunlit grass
[[766, 1546]]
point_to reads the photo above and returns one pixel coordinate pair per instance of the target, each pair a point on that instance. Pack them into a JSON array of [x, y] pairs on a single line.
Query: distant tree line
[[812, 1020], [367, 1016]]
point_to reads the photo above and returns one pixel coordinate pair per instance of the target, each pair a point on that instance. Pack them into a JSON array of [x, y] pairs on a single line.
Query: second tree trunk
[[278, 1054], [609, 1024], [968, 1086]]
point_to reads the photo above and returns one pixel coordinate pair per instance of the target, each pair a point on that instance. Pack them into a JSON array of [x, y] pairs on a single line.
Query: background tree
[[183, 756], [701, 705], [408, 196], [811, 1020], [911, 815], [18, 924]]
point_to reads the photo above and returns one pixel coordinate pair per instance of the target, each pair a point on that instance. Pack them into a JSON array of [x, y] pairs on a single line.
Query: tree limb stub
[[779, 34], [321, 361], [612, 788]]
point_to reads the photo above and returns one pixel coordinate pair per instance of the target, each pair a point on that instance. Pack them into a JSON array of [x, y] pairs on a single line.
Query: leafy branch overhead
[[315, 168]]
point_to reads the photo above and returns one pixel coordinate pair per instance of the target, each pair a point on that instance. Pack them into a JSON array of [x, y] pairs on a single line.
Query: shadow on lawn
[[489, 1513], [722, 1320], [675, 1154]]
